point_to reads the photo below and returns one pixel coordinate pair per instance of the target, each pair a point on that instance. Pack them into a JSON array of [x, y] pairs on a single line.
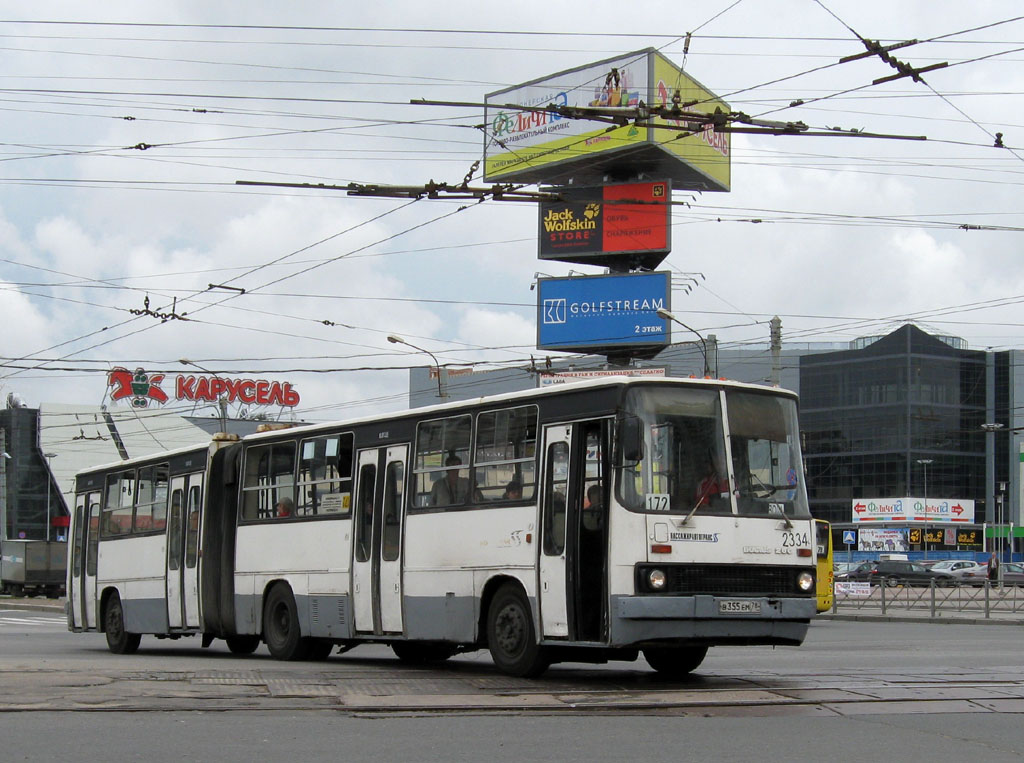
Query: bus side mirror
[[631, 441]]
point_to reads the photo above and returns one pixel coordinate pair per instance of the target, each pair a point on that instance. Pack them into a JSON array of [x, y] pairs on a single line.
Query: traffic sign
[[849, 537]]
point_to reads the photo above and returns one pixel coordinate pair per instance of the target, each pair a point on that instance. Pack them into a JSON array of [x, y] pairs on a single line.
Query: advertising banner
[[565, 377], [545, 147], [910, 509], [593, 222], [590, 312], [881, 539]]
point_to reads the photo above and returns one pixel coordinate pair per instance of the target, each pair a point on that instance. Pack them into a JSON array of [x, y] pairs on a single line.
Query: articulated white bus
[[589, 522]]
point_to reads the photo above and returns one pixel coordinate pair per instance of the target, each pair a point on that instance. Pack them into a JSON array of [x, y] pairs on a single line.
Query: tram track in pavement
[[378, 689]]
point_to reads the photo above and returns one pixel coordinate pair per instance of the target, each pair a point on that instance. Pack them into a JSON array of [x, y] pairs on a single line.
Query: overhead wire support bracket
[[875, 48], [695, 121]]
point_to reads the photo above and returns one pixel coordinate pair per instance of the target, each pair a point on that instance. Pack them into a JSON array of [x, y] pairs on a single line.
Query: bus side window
[[556, 483], [364, 512]]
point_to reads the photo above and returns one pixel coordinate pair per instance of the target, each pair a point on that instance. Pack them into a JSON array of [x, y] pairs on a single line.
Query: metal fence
[[985, 600]]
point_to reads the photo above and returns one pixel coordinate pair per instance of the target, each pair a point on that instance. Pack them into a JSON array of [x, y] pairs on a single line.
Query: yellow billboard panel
[[544, 147]]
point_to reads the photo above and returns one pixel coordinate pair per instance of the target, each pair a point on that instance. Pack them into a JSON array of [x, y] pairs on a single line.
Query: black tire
[[943, 582], [242, 644], [281, 626], [119, 641], [318, 649], [675, 662], [511, 637], [413, 653], [892, 582]]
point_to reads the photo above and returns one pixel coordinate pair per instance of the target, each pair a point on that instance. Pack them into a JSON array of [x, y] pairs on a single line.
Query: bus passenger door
[[365, 525], [553, 590], [392, 512], [75, 563], [175, 552], [377, 561], [190, 571], [92, 548], [183, 551]]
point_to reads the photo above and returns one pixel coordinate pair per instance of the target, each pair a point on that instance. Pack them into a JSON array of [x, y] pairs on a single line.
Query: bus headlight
[[656, 580], [805, 581]]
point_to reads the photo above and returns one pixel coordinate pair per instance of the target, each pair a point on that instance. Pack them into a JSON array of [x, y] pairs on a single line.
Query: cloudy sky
[[125, 127]]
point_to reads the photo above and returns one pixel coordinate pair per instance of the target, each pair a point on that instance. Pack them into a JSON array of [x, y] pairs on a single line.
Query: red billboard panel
[[589, 225]]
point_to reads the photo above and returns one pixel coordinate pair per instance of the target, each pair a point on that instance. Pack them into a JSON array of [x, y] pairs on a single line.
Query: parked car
[[1012, 573], [895, 573], [956, 567]]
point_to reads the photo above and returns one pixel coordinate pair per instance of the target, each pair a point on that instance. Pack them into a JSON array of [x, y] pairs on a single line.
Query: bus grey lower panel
[[326, 616], [145, 615], [441, 618], [641, 619]]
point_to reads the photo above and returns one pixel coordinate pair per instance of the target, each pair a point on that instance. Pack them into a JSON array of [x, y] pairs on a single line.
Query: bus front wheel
[[119, 641], [675, 662], [511, 637], [281, 625]]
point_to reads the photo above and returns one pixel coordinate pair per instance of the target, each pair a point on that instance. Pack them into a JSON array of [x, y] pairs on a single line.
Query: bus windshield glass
[[685, 468], [765, 445]]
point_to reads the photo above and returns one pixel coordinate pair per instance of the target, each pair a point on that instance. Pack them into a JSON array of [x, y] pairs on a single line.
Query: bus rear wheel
[[243, 644], [511, 637], [675, 662], [281, 625], [119, 641]]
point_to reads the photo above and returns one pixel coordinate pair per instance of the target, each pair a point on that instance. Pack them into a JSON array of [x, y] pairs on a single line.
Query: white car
[[955, 567]]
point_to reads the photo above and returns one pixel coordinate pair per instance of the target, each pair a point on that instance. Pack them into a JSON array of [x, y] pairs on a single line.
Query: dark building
[[904, 416], [31, 504]]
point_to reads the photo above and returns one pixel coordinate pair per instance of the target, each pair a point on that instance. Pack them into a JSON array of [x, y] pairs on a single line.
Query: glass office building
[[903, 416]]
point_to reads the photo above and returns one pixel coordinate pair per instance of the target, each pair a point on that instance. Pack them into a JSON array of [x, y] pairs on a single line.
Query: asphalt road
[[855, 691]]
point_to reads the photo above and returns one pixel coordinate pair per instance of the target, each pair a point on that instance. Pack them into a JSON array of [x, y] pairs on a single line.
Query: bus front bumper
[[710, 619]]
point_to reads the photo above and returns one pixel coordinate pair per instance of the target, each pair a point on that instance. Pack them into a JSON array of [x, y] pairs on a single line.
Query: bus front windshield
[[687, 467]]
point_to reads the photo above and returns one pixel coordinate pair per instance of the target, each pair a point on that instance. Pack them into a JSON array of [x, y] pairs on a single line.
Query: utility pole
[[776, 350]]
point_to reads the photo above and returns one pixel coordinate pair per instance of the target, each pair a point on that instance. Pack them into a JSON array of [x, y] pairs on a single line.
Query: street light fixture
[[667, 316], [49, 479], [222, 401], [395, 339], [924, 463]]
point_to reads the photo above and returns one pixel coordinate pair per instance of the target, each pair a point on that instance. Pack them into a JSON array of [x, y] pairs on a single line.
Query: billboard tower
[[613, 179]]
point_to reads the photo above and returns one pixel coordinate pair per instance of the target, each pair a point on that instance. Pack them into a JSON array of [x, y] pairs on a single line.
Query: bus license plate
[[739, 606]]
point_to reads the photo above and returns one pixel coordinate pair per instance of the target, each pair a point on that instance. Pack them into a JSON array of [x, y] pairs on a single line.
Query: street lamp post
[[49, 479], [395, 339], [924, 464], [667, 316], [990, 430]]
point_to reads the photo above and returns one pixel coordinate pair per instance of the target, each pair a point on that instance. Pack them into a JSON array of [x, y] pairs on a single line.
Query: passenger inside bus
[[513, 491], [593, 508], [453, 488], [712, 487], [285, 507]]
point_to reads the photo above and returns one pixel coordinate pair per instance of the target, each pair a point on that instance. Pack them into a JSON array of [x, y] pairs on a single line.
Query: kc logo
[[554, 311]]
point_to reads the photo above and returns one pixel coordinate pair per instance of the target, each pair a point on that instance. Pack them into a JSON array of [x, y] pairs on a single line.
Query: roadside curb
[[32, 606], [879, 618]]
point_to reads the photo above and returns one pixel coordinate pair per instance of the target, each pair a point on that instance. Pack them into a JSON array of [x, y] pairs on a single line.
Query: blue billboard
[[587, 313]]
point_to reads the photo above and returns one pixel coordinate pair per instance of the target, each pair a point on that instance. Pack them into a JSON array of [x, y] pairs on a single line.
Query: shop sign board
[[911, 509], [141, 389]]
